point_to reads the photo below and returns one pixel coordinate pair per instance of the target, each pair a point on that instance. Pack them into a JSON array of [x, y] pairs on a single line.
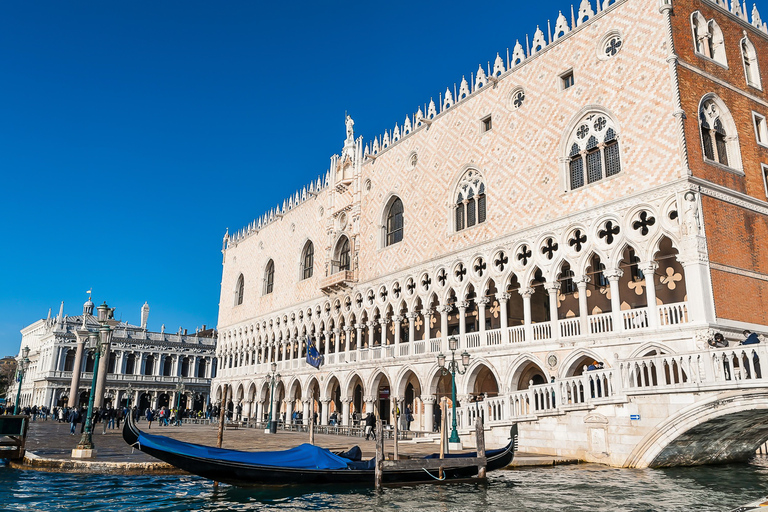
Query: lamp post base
[[83, 453], [455, 447]]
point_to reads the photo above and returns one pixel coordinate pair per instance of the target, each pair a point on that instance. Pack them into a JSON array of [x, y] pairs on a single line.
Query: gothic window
[[69, 361], [269, 277], [307, 260], [593, 151], [567, 286], [598, 277], [342, 257], [718, 133], [708, 38], [751, 69], [470, 200], [394, 223], [239, 290]]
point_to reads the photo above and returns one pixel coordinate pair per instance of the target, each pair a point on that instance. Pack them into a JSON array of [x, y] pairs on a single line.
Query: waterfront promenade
[[49, 446]]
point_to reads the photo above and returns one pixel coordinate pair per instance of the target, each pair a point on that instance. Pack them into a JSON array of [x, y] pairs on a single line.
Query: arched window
[[239, 290], [719, 139], [593, 150], [749, 56], [341, 260], [470, 200], [307, 260], [716, 43], [269, 277], [700, 33], [708, 38], [394, 223]]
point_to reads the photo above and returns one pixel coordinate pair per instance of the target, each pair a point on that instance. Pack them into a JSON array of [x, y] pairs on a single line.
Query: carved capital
[[428, 399], [462, 305], [613, 274], [503, 297], [483, 302], [552, 286]]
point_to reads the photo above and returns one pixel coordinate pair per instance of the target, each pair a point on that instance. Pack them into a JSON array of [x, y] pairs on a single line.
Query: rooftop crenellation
[[520, 54]]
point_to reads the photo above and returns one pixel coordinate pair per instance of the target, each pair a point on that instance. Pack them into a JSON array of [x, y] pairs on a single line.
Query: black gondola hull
[[249, 475]]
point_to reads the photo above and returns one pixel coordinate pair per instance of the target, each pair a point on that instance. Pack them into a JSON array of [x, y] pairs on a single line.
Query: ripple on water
[[587, 487]]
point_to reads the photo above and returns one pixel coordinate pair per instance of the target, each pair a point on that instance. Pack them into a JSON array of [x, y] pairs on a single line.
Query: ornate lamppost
[[179, 391], [99, 343], [452, 370], [22, 369], [272, 380]]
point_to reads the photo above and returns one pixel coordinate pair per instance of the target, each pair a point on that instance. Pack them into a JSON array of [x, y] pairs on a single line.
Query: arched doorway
[[382, 398], [163, 400], [528, 374], [144, 402]]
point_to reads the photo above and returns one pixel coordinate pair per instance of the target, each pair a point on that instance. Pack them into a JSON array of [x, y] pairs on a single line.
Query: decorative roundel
[[442, 277], [382, 295], [549, 248], [410, 286], [552, 360], [460, 272], [524, 255], [425, 282], [479, 267], [610, 45], [644, 222], [500, 261], [608, 232], [577, 240], [517, 98]]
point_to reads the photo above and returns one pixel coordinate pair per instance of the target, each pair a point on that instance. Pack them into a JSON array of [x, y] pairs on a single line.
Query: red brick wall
[[694, 86], [736, 237]]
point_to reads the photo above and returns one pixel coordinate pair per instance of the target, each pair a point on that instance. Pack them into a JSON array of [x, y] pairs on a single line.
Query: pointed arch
[[751, 66], [719, 137], [392, 221], [469, 200], [342, 260], [269, 277], [590, 148], [239, 290], [307, 260]]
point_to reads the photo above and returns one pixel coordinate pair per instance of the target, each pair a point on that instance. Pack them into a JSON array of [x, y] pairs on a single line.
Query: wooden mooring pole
[[379, 454], [397, 420], [480, 438], [312, 423]]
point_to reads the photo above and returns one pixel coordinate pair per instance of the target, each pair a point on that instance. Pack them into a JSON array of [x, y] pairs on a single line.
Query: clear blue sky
[[132, 134]]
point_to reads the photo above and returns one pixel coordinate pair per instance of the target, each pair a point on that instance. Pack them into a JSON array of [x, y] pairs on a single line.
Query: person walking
[[150, 417], [370, 422], [74, 417]]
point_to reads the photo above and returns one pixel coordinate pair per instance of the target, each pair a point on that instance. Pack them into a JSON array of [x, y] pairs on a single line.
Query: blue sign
[[634, 416]]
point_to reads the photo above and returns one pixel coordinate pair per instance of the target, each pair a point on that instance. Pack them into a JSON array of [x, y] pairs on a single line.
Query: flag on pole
[[314, 358]]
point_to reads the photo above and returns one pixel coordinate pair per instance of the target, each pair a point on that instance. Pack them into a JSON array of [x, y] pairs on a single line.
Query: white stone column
[[444, 310], [74, 387], [553, 288], [463, 322], [371, 328], [369, 404], [358, 339], [396, 320], [613, 277], [324, 413], [427, 322], [649, 270], [429, 412], [307, 412], [581, 284], [288, 411], [345, 411], [526, 293], [383, 323], [348, 338], [481, 304], [411, 326]]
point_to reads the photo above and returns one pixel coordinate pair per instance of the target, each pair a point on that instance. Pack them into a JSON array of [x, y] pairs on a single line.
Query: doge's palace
[[595, 195]]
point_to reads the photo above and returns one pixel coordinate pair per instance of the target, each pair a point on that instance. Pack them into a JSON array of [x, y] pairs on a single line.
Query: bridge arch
[[725, 428]]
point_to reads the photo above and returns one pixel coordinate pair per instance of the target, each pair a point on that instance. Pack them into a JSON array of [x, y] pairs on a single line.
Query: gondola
[[304, 464]]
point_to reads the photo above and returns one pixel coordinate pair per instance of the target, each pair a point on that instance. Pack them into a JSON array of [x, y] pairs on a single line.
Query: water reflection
[[586, 487]]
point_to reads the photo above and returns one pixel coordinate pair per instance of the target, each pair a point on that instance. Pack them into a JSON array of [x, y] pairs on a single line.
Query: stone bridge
[[694, 408]]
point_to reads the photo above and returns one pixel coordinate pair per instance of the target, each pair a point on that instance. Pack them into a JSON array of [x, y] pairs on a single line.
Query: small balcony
[[337, 281]]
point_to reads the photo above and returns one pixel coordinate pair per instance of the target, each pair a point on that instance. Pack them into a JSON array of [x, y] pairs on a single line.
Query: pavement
[[49, 447]]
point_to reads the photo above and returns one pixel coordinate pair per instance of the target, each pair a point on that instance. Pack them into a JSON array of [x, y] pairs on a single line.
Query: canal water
[[586, 487]]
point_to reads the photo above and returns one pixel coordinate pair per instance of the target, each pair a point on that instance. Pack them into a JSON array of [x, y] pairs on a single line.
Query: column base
[[83, 453]]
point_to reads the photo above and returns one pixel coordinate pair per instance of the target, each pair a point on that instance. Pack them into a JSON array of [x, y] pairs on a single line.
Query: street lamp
[[452, 370], [23, 364], [99, 343], [179, 391], [272, 380]]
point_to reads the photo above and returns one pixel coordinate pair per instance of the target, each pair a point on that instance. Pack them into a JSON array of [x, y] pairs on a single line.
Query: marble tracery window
[[470, 200], [593, 151]]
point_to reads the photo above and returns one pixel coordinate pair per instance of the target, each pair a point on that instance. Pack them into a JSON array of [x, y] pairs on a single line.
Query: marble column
[[462, 306], [581, 284], [649, 270], [428, 322], [411, 326], [345, 411], [553, 288], [613, 279], [481, 305], [526, 293], [429, 412], [74, 394], [371, 328], [396, 321], [101, 382]]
